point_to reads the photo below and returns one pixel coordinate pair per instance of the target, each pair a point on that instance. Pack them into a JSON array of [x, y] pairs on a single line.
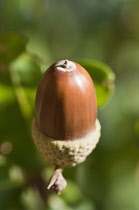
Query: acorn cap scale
[[65, 106], [65, 153]]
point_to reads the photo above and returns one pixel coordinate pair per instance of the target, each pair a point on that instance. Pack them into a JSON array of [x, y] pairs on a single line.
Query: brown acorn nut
[[65, 128], [66, 102]]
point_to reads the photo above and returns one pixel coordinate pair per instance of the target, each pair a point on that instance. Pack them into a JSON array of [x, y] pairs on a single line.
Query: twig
[[57, 181]]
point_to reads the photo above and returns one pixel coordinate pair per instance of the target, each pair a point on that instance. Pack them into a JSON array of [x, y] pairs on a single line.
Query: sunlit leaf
[[72, 194], [6, 95], [103, 78], [56, 202], [26, 70], [85, 204], [31, 199]]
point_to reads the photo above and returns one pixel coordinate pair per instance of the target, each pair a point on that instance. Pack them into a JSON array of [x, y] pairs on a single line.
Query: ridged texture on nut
[[65, 153]]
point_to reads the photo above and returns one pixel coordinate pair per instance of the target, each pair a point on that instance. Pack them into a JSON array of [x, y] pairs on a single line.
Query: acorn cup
[[65, 128]]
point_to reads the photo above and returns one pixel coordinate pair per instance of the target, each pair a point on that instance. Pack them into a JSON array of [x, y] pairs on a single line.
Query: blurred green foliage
[[33, 35], [103, 78]]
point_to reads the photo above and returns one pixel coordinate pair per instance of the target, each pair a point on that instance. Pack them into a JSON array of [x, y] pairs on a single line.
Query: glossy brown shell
[[66, 103]]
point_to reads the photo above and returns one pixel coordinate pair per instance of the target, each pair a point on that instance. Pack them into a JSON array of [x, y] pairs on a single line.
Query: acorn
[[65, 128]]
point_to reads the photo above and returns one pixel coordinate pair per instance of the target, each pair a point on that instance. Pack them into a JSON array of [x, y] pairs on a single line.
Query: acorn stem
[[57, 181], [64, 65]]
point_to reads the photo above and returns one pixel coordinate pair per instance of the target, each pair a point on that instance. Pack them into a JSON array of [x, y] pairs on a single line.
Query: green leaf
[[10, 196], [72, 194], [137, 127], [26, 70], [103, 78], [16, 132], [6, 95], [11, 45], [32, 200]]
